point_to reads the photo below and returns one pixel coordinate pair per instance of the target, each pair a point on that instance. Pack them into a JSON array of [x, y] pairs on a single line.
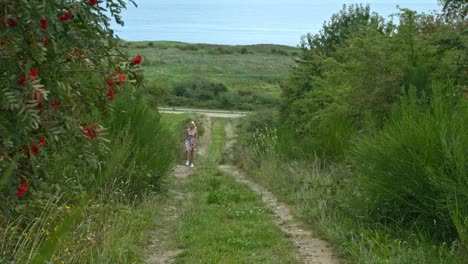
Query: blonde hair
[[194, 126]]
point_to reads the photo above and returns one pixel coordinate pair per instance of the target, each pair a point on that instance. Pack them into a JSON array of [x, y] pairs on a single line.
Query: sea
[[242, 22]]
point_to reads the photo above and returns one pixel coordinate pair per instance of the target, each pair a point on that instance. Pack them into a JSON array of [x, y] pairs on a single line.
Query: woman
[[190, 143]]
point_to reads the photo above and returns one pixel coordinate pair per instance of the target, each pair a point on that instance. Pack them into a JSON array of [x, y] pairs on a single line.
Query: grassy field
[[251, 74]]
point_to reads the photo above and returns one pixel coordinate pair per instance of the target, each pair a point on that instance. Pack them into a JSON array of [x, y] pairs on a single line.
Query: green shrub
[[188, 47], [244, 50], [279, 51], [220, 51], [414, 170], [152, 153]]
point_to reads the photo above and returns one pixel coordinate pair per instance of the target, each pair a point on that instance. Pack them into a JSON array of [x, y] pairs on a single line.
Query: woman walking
[[190, 143]]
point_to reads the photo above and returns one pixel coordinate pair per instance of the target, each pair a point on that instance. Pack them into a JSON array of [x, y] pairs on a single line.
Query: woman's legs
[[192, 154], [186, 155]]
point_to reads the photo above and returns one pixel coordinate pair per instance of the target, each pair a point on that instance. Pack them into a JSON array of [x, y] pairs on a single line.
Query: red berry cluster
[[116, 79], [36, 147], [22, 188]]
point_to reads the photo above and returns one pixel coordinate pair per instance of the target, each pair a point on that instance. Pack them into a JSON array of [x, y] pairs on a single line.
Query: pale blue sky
[[241, 21]]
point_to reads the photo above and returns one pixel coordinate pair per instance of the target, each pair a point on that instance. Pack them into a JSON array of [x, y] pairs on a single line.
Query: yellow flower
[[67, 207]]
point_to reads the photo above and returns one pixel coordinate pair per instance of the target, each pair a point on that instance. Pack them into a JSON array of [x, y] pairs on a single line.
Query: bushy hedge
[[414, 171]]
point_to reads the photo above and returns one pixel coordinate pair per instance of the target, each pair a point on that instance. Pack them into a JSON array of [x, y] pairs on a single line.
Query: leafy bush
[[55, 85], [279, 51], [189, 47], [414, 170], [64, 76], [200, 89], [244, 50], [220, 51]]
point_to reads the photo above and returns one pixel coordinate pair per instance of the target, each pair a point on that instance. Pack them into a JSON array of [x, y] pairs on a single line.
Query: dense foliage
[[70, 120], [386, 103], [355, 67]]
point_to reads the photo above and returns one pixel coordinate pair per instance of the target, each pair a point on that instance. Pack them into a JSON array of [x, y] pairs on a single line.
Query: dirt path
[[208, 113], [310, 249], [163, 248]]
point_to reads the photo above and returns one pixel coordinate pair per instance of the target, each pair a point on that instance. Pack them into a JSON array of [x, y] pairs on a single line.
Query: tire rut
[[163, 249], [310, 249]]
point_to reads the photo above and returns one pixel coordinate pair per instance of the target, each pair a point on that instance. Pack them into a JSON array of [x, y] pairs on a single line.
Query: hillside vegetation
[[214, 76]]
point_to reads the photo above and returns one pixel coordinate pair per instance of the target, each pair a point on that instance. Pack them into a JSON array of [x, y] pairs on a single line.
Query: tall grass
[[153, 152], [414, 171]]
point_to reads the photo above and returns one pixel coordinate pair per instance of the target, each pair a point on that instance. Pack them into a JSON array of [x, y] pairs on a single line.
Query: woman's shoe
[[187, 163], [191, 165]]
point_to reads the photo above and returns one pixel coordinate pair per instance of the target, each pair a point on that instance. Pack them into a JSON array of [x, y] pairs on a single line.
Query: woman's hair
[[194, 126]]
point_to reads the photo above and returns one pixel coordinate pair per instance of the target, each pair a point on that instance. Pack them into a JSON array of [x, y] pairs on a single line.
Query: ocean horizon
[[239, 22]]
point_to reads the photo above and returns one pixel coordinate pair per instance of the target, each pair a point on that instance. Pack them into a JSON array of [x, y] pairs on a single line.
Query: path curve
[[310, 249]]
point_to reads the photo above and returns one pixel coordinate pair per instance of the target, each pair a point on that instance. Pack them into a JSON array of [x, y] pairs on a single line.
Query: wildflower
[[54, 104], [137, 60], [92, 2], [1, 155], [34, 149], [21, 80], [45, 41], [42, 142], [4, 23], [67, 207], [3, 42], [67, 59], [44, 24], [66, 16], [22, 188]]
